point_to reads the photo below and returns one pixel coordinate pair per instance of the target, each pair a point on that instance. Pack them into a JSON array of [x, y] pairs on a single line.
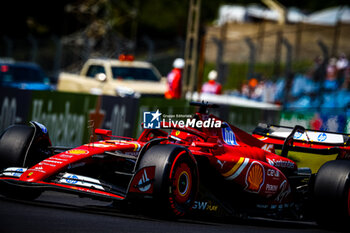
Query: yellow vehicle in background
[[123, 77]]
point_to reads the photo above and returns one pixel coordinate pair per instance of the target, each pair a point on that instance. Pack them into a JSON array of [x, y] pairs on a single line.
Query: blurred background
[[63, 34], [290, 54]]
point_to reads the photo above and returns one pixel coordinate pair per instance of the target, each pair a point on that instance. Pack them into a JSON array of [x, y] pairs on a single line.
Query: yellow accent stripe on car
[[137, 147], [239, 170], [135, 144], [230, 172]]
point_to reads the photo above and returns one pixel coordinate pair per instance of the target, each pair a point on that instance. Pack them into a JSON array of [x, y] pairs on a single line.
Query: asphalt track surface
[[56, 212]]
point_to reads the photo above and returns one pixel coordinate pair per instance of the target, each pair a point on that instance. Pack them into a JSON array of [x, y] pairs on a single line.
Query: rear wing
[[306, 141]]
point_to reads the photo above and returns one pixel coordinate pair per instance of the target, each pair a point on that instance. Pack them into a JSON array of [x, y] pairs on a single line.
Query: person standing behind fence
[[212, 87], [331, 75], [342, 66], [174, 80]]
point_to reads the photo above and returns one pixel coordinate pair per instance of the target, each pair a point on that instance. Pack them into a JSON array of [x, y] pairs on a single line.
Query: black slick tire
[[331, 192], [176, 178]]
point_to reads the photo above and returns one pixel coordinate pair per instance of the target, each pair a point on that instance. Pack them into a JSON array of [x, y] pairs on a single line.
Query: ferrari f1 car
[[179, 170]]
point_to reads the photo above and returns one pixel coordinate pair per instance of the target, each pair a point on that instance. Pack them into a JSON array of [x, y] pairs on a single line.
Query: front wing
[[80, 185]]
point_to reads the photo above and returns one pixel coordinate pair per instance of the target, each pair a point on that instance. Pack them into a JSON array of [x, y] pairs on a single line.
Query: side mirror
[[101, 77]]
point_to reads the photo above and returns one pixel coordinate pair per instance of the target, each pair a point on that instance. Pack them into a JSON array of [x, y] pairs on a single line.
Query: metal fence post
[[191, 49], [289, 48], [298, 39], [9, 46], [58, 55], [252, 52], [277, 65], [219, 57], [150, 46], [181, 45], [323, 70], [289, 76], [325, 54], [34, 50], [87, 48], [261, 37], [201, 61], [336, 36]]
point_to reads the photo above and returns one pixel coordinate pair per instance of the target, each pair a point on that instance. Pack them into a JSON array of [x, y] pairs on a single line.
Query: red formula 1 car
[[207, 167]]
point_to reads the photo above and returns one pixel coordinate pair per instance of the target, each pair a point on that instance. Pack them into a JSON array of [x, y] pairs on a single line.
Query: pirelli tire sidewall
[[23, 146], [331, 194], [16, 151], [14, 143], [176, 178]]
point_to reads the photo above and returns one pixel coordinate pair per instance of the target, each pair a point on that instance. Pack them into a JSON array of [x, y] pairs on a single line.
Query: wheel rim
[[182, 183]]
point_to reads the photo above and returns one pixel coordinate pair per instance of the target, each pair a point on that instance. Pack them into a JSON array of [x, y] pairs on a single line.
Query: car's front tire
[[21, 146], [14, 145], [176, 178]]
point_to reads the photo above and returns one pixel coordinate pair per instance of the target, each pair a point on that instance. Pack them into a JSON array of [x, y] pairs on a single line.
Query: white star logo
[[156, 115]]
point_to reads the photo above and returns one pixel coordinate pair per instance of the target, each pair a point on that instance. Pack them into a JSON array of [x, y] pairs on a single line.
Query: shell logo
[[255, 177], [77, 152], [261, 138]]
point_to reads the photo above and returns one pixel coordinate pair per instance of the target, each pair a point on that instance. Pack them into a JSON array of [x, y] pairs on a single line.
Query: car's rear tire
[[176, 178], [332, 194]]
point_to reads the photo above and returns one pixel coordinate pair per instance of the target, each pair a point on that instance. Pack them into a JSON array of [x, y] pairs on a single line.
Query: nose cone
[[32, 175]]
